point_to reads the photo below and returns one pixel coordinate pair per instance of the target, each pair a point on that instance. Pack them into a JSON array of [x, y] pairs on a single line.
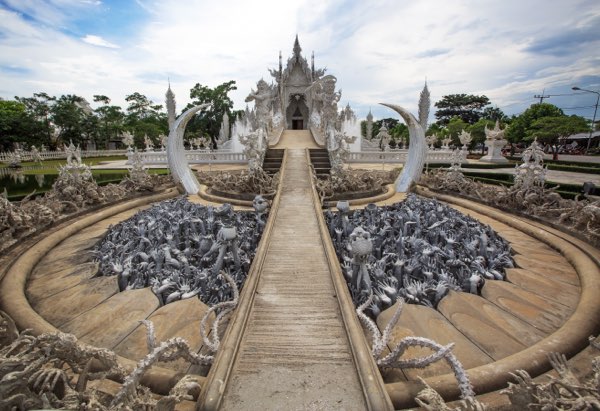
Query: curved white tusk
[[176, 155], [417, 150]]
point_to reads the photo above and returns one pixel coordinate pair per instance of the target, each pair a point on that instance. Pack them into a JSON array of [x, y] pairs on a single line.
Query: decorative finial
[[297, 48], [171, 105], [424, 105], [280, 62]]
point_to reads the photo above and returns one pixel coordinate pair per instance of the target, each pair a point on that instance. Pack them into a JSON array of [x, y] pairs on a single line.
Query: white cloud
[[381, 51], [98, 41]]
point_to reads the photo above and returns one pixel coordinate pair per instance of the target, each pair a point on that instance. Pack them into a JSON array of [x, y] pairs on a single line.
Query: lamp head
[[575, 88]]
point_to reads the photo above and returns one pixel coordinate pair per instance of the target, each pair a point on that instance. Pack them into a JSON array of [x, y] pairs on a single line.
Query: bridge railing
[[400, 156]]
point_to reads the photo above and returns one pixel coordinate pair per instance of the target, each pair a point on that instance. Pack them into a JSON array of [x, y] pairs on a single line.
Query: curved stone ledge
[[570, 339], [390, 191], [205, 195], [14, 302]]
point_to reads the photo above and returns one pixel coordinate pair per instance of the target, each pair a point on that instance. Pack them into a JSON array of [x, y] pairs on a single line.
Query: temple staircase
[[319, 157]]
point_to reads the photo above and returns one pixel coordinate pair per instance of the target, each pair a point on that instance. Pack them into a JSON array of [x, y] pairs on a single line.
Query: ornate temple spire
[[424, 104], [297, 49], [280, 64], [170, 102]]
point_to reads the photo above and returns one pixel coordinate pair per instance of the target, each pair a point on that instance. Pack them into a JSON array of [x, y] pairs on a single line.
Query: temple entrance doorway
[[297, 113], [297, 124]]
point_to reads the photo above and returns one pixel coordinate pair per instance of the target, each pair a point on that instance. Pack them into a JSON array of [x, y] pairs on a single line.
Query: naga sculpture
[[417, 151]]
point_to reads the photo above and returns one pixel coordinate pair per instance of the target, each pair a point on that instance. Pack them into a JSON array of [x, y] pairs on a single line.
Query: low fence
[[6, 157], [400, 156], [227, 156], [192, 156]]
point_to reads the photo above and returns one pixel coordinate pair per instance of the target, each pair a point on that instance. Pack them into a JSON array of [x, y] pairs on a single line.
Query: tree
[[110, 120], [548, 130], [145, 118], [13, 123], [71, 114], [454, 128], [519, 125], [466, 106], [477, 131], [39, 110], [400, 132], [140, 107], [209, 122], [494, 114]]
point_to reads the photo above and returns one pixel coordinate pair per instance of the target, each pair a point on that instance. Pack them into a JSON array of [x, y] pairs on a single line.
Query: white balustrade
[[194, 157], [53, 155], [398, 156]]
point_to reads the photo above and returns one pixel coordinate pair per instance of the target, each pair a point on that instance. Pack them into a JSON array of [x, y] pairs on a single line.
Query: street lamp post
[[594, 118]]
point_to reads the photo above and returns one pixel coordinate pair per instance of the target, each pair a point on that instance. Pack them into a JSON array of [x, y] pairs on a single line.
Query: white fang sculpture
[[417, 150], [180, 169]]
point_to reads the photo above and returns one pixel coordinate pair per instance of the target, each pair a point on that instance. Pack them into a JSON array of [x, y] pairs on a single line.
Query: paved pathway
[[295, 353]]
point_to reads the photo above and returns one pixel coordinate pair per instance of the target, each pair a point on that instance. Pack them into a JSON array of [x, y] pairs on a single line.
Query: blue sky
[[380, 51]]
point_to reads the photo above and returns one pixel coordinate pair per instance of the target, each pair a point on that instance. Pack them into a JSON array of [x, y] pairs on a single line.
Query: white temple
[[294, 89]]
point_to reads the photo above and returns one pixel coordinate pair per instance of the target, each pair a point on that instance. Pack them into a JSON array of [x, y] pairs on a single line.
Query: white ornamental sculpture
[[127, 139], [338, 148], [384, 138], [263, 97], [148, 142], [163, 141], [494, 141], [465, 139], [180, 169], [35, 155], [417, 150], [431, 141], [252, 149], [224, 131], [532, 173]]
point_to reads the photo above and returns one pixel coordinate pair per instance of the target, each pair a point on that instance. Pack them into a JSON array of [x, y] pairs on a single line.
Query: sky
[[381, 51]]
